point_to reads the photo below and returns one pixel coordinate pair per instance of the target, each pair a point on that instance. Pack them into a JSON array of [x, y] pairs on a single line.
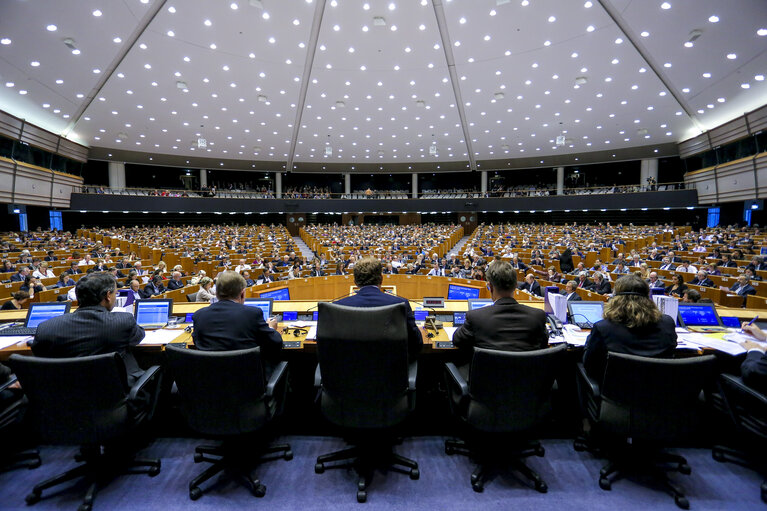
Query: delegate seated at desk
[[368, 276], [754, 368], [506, 325], [92, 329], [632, 324]]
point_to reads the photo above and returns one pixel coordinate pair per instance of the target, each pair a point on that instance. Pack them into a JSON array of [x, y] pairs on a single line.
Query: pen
[[749, 323]]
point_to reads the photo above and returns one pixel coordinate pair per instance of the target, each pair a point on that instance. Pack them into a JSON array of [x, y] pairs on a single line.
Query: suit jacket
[[535, 288], [658, 340], [16, 277], [668, 267], [603, 287], [573, 297], [506, 325], [705, 282], [50, 258], [317, 273], [228, 325], [754, 370], [371, 296], [748, 289], [151, 290], [586, 283], [90, 331], [173, 284]]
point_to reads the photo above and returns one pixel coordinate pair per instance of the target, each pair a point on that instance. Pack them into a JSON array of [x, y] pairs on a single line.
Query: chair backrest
[[653, 398], [80, 400], [222, 392], [191, 297], [362, 352], [510, 390], [746, 406]]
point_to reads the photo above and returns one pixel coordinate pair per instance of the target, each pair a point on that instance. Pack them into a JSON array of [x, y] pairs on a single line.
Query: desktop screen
[[478, 304], [315, 315], [459, 318], [264, 305], [698, 315], [730, 321], [277, 294], [456, 292], [585, 312], [290, 316], [153, 312], [40, 312], [421, 315]]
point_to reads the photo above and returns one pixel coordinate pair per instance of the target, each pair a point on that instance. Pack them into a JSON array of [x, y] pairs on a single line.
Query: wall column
[[278, 185], [483, 182], [648, 169], [203, 178], [347, 183], [560, 180], [116, 174], [414, 182]]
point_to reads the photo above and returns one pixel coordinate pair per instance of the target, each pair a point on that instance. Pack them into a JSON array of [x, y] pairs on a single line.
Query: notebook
[[153, 313], [36, 314]]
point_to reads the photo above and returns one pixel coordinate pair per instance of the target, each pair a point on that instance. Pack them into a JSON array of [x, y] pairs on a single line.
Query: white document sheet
[[13, 339], [159, 337]]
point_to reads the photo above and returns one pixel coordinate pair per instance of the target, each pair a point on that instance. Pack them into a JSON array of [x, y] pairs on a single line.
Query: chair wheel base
[[682, 502], [319, 468], [362, 496], [605, 484], [685, 469], [477, 487], [259, 490], [541, 487], [288, 455], [32, 498], [415, 474], [198, 457], [153, 471], [85, 507], [195, 493]]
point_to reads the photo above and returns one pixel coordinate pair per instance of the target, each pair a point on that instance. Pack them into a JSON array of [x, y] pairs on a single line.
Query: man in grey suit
[[92, 329], [506, 325]]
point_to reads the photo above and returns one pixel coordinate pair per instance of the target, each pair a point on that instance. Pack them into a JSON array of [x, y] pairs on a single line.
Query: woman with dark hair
[[677, 287], [632, 324], [18, 300]]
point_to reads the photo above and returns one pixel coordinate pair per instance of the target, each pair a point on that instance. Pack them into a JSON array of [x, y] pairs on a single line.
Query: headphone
[[297, 332]]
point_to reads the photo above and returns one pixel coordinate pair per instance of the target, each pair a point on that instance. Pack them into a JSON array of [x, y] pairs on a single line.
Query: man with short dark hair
[[228, 324], [506, 325], [569, 291], [73, 269], [92, 329], [154, 287], [368, 276]]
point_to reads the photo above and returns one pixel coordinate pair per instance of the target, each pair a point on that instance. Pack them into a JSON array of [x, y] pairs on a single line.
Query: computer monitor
[[479, 303], [459, 318], [153, 312], [730, 321], [698, 315], [290, 316], [584, 314], [421, 315], [315, 315], [456, 292], [282, 293], [265, 304], [39, 312]]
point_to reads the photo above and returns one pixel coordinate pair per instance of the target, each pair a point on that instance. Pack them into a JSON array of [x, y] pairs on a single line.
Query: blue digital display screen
[[264, 305], [585, 312], [279, 294], [43, 312], [698, 315], [456, 292], [459, 318], [478, 304], [315, 315], [151, 312], [188, 318], [730, 321], [290, 316], [421, 315]]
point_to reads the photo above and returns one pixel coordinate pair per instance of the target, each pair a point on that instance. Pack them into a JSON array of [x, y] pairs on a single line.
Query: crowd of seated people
[[306, 192]]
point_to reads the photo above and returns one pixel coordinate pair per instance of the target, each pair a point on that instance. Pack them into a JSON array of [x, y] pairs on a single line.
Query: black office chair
[[748, 410], [506, 397], [13, 404], [643, 405], [191, 297], [86, 401], [224, 395], [366, 385]]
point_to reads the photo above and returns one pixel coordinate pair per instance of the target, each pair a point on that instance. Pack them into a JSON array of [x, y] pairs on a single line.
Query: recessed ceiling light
[[619, 41], [96, 71], [688, 44], [732, 56], [713, 19], [336, 28], [552, 19], [706, 75], [23, 92], [97, 13], [645, 33], [392, 6], [762, 32], [207, 23], [34, 63], [759, 78], [265, 15], [588, 5], [51, 28], [590, 28], [171, 9], [272, 40], [5, 41], [59, 81], [665, 5], [745, 86], [234, 6], [9, 84], [171, 33], [667, 64]]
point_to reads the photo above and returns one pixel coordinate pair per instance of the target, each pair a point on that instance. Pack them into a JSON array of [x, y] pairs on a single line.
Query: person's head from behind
[[691, 296], [22, 297], [231, 285], [96, 289], [368, 272], [501, 279], [631, 305]]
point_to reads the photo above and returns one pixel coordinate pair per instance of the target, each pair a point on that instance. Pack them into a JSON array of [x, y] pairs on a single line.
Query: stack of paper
[[160, 337], [574, 336]]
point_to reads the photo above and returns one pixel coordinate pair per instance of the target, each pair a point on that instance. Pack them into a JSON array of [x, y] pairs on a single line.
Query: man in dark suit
[[50, 257], [92, 329], [390, 269], [317, 270], [667, 264], [506, 325], [531, 285], [583, 281], [368, 276], [21, 275], [154, 287], [570, 293], [248, 281], [701, 279], [754, 367], [601, 285], [228, 324], [175, 281], [73, 269]]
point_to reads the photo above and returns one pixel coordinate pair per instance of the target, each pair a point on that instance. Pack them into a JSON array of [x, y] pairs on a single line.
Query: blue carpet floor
[[444, 483]]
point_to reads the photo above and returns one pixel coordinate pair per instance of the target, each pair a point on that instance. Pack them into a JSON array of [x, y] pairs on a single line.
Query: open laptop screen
[[479, 303], [585, 314], [698, 314], [265, 304], [153, 311], [39, 312]]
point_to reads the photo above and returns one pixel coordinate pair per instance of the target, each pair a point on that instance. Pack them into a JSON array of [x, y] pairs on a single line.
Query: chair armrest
[[591, 385], [452, 370], [412, 373], [7, 384], [745, 389], [317, 377], [150, 374], [274, 379]]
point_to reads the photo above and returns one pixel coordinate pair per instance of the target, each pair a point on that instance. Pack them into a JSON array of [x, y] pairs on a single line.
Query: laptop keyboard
[[17, 330]]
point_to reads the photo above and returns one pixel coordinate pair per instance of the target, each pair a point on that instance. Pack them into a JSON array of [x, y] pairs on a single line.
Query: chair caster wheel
[[195, 493], [319, 468], [85, 507], [361, 485], [605, 484], [32, 498], [34, 464], [477, 487], [718, 455], [362, 496], [154, 470], [198, 457], [579, 445], [682, 502], [540, 451], [288, 455], [541, 487], [415, 474], [474, 478], [685, 469], [449, 450], [259, 490]]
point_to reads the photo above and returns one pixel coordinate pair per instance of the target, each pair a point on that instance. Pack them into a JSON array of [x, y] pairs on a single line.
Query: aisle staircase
[[306, 252], [458, 248]]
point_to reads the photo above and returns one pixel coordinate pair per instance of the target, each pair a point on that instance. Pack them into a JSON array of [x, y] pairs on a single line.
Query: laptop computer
[[584, 313], [700, 317], [153, 313], [478, 303], [36, 314], [459, 318], [265, 304]]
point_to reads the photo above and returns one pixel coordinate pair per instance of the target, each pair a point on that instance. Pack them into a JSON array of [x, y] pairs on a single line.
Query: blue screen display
[[730, 321], [421, 315], [456, 292], [459, 318], [698, 315], [152, 313], [478, 304], [188, 318], [290, 316], [315, 315], [585, 312], [44, 312], [264, 305], [280, 294]]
